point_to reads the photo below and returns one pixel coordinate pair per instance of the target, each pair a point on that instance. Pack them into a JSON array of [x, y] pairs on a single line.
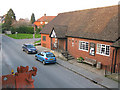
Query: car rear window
[[30, 46], [50, 55]]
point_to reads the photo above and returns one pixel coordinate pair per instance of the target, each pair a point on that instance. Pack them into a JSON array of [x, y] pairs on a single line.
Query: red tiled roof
[[46, 18], [36, 23]]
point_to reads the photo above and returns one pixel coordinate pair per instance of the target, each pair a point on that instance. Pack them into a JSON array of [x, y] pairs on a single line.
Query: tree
[[11, 14], [9, 19], [32, 18]]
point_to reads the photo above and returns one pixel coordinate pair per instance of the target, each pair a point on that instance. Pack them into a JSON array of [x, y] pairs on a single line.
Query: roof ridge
[[89, 9]]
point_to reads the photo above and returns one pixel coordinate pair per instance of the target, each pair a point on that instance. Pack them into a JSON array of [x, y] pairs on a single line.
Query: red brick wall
[[118, 56], [74, 50], [46, 43]]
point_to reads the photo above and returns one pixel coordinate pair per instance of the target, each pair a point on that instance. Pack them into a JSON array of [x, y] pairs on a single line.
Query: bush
[[38, 30], [80, 59], [23, 29]]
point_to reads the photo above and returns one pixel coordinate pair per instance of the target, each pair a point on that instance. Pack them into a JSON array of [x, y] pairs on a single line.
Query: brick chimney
[[44, 14]]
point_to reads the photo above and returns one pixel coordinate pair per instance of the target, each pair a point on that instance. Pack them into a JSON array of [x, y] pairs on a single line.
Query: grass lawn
[[24, 36], [37, 41]]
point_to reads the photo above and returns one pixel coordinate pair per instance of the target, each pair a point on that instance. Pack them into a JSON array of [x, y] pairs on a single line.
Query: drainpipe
[[58, 44], [112, 61], [66, 45], [51, 43], [115, 60]]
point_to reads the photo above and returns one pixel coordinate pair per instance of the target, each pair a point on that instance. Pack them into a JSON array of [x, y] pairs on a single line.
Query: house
[[2, 18], [43, 20], [91, 33]]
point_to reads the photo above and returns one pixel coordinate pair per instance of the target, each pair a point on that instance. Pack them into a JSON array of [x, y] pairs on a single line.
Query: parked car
[[29, 48], [45, 57]]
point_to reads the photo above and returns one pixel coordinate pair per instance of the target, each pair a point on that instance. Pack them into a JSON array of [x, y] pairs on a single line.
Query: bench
[[90, 61]]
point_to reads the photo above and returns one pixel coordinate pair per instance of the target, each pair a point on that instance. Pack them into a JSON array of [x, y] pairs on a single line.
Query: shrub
[[23, 29], [80, 59]]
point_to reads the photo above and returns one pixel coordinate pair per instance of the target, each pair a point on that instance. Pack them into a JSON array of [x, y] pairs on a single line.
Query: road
[[48, 76]]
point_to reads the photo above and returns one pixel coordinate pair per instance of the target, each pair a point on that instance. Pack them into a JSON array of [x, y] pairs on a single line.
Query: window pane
[[86, 45], [103, 49], [83, 45], [44, 38], [98, 48], [80, 45], [107, 50]]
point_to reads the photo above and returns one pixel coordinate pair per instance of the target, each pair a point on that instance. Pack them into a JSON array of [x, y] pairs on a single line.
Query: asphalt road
[[48, 76]]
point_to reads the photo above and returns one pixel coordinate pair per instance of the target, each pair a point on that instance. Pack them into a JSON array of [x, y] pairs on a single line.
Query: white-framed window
[[103, 49], [46, 22], [83, 45], [41, 22]]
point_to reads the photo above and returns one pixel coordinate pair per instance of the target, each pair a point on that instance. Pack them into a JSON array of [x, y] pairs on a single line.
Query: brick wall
[[118, 56], [73, 48], [46, 43]]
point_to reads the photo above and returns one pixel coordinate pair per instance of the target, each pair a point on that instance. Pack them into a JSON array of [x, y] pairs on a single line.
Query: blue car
[[45, 57], [29, 48]]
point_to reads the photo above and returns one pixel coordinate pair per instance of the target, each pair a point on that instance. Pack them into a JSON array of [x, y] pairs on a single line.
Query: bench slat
[[90, 61]]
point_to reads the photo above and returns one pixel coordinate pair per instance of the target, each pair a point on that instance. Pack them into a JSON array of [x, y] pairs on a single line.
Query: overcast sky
[[25, 8]]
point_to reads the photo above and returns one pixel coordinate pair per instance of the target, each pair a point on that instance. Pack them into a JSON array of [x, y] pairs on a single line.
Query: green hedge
[[23, 36], [23, 29]]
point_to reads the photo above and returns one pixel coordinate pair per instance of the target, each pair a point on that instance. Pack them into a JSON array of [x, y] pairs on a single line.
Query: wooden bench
[[90, 61]]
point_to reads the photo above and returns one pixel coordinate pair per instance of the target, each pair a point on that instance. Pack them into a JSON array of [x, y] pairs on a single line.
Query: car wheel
[[27, 52], [23, 49], [43, 62], [36, 58]]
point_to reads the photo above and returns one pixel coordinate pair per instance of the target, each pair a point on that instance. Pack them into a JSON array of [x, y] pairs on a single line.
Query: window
[[46, 22], [41, 22], [50, 55], [103, 49], [83, 45], [44, 38]]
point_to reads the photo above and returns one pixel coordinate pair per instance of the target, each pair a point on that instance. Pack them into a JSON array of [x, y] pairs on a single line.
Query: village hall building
[[91, 33]]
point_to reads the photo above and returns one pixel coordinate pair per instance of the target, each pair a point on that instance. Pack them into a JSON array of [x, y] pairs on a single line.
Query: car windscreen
[[50, 55], [30, 46]]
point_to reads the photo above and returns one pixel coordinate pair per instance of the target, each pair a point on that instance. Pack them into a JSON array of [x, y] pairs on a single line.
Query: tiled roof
[[97, 23], [116, 44], [60, 31], [37, 23], [46, 18]]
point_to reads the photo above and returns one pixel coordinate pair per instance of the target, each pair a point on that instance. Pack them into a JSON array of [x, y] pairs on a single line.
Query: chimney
[[44, 14]]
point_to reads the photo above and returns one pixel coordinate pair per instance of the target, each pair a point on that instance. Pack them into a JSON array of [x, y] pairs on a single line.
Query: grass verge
[[37, 42], [23, 36]]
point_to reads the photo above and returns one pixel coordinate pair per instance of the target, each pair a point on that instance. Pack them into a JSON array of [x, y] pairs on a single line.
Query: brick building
[[43, 20], [91, 33]]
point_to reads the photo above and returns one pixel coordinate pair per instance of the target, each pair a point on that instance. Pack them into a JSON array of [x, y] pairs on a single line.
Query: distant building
[[2, 18], [26, 19], [43, 20]]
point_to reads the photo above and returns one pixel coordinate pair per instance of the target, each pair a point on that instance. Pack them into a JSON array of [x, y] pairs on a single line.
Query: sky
[[25, 8]]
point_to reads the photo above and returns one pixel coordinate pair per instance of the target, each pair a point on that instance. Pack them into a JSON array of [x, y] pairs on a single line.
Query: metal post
[[105, 70]]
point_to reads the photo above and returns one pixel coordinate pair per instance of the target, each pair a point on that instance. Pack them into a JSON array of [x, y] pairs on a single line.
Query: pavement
[[91, 73]]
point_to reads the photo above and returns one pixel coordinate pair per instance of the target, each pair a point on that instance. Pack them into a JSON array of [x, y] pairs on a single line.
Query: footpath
[[87, 71]]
